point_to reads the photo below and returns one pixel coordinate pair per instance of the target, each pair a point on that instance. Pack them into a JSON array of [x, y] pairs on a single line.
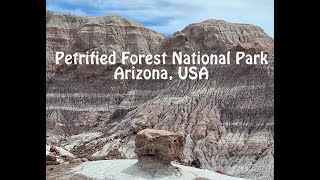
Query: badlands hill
[[227, 121]]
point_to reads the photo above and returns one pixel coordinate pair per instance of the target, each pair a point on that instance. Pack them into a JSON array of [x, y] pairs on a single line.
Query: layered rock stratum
[[226, 121]]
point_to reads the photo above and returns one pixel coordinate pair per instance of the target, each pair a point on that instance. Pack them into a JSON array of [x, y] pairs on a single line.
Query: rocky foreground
[[155, 149], [124, 170], [227, 121]]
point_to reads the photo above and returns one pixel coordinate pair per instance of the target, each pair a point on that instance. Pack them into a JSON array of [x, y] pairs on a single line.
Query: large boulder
[[155, 150], [160, 145]]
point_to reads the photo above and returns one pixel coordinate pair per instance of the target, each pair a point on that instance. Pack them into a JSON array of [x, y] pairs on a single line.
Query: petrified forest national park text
[[149, 59], [179, 58]]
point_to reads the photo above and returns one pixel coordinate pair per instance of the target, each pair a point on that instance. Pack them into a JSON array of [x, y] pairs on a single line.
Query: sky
[[169, 16]]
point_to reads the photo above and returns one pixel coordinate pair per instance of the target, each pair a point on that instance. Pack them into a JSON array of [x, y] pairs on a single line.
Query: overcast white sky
[[168, 16]]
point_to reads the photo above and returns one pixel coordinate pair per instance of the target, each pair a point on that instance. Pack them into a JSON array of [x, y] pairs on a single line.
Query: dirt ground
[[59, 172]]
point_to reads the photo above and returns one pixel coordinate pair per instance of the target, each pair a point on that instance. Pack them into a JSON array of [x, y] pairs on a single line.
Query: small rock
[[78, 160], [84, 159], [53, 149], [113, 154], [51, 157], [196, 163], [201, 178], [52, 163]]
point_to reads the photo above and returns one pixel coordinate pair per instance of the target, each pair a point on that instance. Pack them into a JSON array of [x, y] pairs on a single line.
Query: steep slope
[[227, 120], [71, 33], [80, 97]]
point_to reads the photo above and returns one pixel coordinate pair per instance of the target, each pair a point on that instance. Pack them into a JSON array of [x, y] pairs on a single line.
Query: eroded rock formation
[[156, 149]]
